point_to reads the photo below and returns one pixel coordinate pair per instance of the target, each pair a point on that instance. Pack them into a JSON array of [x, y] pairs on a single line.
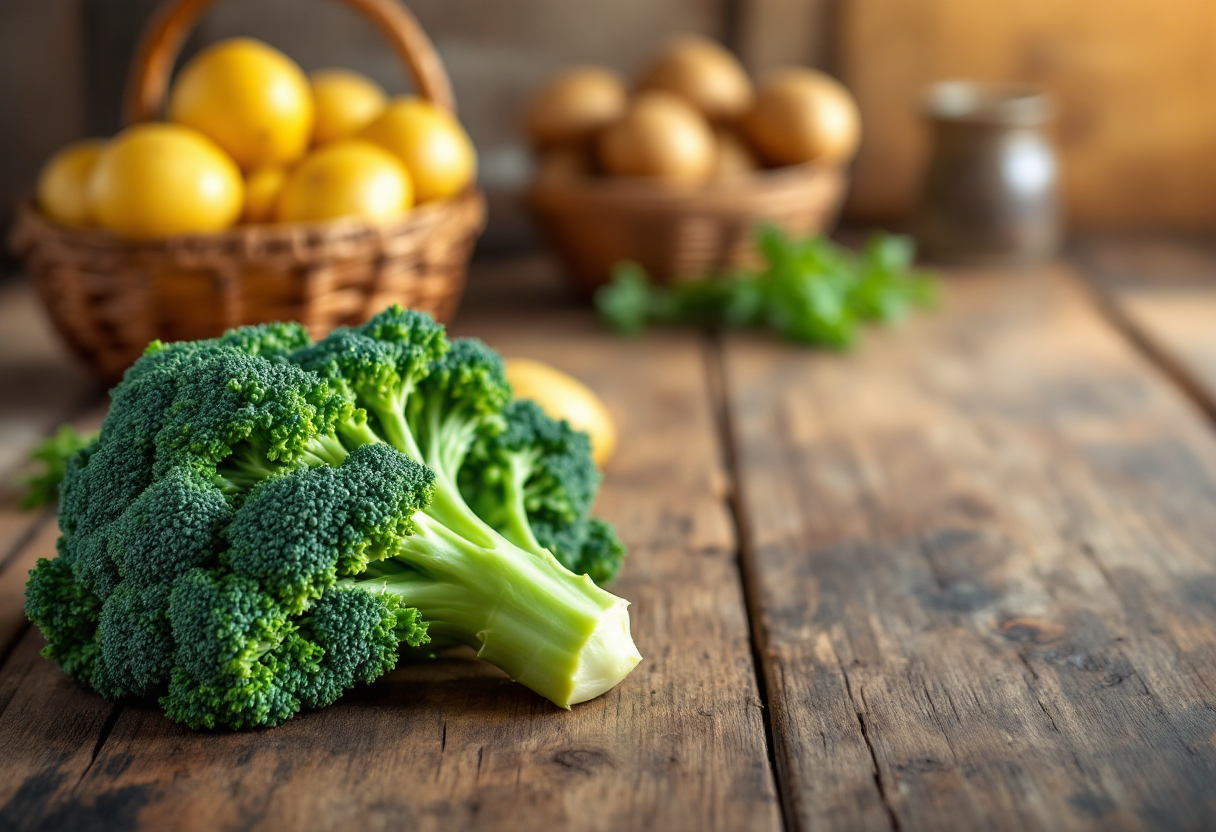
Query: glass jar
[[989, 194]]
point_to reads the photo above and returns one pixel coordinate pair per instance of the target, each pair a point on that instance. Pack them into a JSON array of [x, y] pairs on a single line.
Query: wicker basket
[[109, 297], [679, 232]]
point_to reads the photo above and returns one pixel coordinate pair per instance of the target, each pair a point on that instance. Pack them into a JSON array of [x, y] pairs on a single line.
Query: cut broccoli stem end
[[552, 631]]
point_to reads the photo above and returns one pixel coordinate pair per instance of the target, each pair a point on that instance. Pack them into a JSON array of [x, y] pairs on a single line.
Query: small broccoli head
[[379, 365], [134, 641], [230, 397], [470, 379], [536, 478], [462, 397], [358, 633], [297, 534], [66, 611], [273, 341], [378, 374], [408, 326], [177, 523], [564, 480], [236, 655], [601, 554]]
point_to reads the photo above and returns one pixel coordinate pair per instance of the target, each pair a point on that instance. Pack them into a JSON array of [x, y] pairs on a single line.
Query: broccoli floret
[[379, 365], [359, 633], [245, 540], [534, 482], [235, 653], [177, 523], [601, 554], [136, 651], [67, 612], [296, 535]]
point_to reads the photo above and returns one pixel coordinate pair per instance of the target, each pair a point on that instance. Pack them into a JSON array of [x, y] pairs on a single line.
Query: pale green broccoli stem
[[517, 529], [390, 412], [554, 632], [324, 450], [450, 437], [357, 434]]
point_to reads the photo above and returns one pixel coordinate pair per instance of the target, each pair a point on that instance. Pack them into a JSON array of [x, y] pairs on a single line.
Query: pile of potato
[[694, 116]]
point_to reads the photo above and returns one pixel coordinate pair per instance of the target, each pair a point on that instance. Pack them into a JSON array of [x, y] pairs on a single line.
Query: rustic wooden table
[[962, 578]]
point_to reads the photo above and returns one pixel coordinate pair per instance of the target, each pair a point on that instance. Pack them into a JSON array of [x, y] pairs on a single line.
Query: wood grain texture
[[1132, 81], [49, 725], [979, 559], [1162, 292], [453, 743]]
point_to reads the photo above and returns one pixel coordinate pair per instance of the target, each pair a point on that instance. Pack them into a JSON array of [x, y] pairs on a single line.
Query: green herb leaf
[[810, 290], [53, 453]]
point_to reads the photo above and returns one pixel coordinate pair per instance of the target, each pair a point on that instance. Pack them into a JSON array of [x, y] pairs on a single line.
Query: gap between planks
[[1175, 370], [715, 375]]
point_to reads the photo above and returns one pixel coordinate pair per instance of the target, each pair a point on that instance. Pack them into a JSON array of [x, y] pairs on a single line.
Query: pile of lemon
[[250, 138]]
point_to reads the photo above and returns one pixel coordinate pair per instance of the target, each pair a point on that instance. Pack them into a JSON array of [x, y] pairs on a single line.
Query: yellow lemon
[[562, 396], [349, 178], [251, 99], [262, 189], [344, 102], [63, 185], [430, 143], [158, 180]]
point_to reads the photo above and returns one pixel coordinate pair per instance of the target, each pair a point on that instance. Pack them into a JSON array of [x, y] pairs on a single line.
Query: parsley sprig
[[810, 290]]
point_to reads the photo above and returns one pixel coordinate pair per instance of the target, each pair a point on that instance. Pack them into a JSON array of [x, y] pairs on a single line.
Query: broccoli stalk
[[484, 598]]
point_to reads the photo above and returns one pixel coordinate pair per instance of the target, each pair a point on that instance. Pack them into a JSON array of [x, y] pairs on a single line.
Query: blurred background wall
[[1134, 79]]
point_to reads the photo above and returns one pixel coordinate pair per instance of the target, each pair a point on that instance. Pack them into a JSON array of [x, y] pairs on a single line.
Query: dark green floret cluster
[[263, 522]]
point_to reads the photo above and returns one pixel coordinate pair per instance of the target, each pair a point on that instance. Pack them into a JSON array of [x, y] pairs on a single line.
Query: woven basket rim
[[270, 233], [640, 194]]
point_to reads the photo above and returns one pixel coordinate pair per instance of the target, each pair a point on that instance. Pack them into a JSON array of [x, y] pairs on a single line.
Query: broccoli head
[[263, 522]]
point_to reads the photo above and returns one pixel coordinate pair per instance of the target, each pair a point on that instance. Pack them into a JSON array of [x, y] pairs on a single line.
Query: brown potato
[[733, 159], [659, 136], [801, 115], [704, 74], [575, 105]]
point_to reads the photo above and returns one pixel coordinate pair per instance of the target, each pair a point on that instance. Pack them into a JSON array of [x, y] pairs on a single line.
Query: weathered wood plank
[[980, 553], [50, 727], [453, 744], [1162, 291]]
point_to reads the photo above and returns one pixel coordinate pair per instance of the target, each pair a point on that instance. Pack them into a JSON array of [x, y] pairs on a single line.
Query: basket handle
[[165, 33]]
